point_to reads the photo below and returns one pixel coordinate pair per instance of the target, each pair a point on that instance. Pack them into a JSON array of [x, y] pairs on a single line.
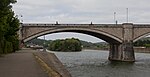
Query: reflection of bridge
[[120, 36]]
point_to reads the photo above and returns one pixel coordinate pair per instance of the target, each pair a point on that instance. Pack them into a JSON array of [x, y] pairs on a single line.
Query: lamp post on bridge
[[127, 14], [115, 21]]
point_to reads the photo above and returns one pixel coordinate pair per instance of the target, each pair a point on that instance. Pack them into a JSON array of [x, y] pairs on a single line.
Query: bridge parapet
[[141, 25], [72, 25]]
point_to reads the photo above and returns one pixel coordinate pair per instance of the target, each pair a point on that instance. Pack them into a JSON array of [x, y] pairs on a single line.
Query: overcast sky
[[82, 11]]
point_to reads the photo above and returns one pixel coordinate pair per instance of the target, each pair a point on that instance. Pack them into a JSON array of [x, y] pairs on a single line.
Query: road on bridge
[[20, 64]]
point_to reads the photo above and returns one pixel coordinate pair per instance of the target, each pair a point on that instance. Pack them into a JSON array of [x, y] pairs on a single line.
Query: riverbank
[[136, 49], [142, 50], [51, 64]]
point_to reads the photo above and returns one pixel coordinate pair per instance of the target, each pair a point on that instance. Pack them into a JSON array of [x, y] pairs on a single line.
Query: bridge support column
[[124, 51], [128, 52]]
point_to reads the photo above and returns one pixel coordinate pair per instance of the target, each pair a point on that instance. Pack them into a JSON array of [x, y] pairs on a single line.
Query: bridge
[[120, 36]]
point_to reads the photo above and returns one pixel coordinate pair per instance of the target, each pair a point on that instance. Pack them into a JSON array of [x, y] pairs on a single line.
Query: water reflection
[[93, 63]]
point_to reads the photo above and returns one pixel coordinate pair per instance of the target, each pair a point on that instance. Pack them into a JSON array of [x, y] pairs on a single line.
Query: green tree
[[9, 25], [65, 45]]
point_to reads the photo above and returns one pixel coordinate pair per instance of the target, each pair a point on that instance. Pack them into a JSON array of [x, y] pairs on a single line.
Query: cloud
[[82, 11]]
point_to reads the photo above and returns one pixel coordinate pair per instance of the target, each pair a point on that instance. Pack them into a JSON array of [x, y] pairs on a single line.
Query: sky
[[82, 12]]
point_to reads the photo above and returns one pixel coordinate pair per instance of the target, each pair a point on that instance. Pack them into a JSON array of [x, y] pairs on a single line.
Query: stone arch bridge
[[119, 36]]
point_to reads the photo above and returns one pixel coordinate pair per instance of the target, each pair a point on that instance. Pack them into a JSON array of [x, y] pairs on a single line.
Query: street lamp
[[115, 21], [115, 17], [127, 15]]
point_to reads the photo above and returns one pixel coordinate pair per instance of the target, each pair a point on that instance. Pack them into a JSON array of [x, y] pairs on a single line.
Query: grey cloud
[[82, 11]]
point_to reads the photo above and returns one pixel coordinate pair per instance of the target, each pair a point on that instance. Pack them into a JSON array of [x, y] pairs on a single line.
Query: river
[[94, 63]]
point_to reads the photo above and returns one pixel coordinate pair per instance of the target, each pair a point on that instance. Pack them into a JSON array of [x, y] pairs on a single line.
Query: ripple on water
[[92, 63]]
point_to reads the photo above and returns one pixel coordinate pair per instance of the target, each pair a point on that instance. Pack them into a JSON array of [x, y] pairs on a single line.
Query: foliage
[[147, 45], [145, 42], [9, 25], [85, 44], [66, 45], [98, 45]]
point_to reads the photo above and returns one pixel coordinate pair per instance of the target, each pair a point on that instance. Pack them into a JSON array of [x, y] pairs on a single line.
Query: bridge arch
[[96, 33], [141, 36]]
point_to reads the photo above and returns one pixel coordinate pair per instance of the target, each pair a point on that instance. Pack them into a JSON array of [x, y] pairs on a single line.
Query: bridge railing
[[142, 25], [77, 25]]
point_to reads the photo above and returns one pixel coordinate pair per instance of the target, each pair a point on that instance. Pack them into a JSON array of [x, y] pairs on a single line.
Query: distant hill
[[37, 41]]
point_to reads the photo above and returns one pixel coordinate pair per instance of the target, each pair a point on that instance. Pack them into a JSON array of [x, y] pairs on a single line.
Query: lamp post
[[127, 14], [115, 21], [115, 17]]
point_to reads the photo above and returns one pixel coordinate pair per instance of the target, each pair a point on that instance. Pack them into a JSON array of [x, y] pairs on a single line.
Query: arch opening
[[142, 36], [142, 43], [65, 35], [101, 35]]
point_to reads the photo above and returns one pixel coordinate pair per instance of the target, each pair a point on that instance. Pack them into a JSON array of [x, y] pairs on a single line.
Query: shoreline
[[136, 50]]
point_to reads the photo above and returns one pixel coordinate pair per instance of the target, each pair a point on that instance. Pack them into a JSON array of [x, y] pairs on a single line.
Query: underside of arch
[[99, 34], [142, 36]]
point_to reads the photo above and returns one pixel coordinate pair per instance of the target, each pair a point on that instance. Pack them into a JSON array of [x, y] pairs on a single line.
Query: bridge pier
[[122, 52]]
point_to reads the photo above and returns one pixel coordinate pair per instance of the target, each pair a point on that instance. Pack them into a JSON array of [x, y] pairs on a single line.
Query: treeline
[[65, 45], [85, 44], [9, 25], [145, 42], [39, 42], [98, 45]]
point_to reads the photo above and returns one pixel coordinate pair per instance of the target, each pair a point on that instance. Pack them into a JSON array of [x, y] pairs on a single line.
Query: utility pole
[[114, 17], [127, 14], [115, 21]]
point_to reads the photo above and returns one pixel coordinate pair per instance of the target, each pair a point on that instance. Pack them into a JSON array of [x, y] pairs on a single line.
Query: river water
[[94, 63]]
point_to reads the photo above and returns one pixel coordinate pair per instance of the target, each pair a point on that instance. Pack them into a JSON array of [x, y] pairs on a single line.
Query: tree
[[9, 25], [66, 45]]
